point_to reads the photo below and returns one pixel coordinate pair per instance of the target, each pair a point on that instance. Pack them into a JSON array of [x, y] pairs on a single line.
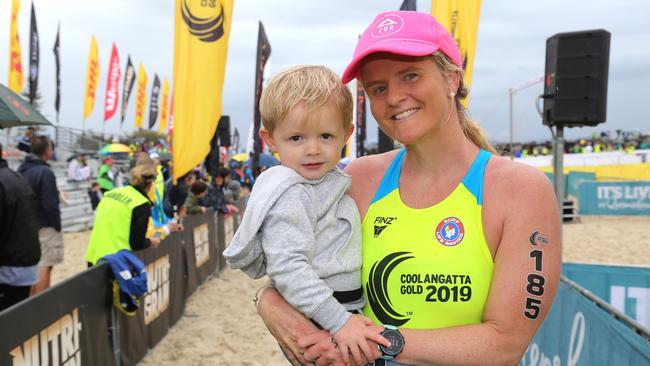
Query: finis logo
[[381, 222], [205, 29]]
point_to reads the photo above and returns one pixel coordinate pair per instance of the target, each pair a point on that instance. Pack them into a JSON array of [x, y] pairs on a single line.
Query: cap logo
[[387, 26]]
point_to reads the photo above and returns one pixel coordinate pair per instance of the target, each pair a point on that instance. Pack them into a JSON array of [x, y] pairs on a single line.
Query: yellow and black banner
[[164, 108], [460, 18], [201, 36], [16, 77], [92, 76], [140, 96]]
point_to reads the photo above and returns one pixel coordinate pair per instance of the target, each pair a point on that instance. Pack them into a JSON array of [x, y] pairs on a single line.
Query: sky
[[510, 51]]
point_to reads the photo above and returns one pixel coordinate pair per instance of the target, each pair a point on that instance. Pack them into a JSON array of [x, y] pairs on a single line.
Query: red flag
[[113, 78]]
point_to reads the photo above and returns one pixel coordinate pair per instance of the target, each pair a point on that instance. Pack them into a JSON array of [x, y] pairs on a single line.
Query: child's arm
[[287, 237], [354, 336]]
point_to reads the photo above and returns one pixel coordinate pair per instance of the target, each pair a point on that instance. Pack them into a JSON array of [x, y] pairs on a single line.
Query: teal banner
[[625, 288], [574, 180], [579, 333], [614, 198]]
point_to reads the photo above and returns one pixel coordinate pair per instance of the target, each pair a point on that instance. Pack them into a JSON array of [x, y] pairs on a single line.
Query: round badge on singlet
[[450, 231]]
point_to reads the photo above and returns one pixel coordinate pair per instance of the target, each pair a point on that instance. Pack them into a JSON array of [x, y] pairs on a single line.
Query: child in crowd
[[300, 227], [94, 193], [197, 192]]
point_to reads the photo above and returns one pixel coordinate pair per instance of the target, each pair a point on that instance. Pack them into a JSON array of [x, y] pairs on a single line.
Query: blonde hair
[[471, 128], [142, 175], [313, 86]]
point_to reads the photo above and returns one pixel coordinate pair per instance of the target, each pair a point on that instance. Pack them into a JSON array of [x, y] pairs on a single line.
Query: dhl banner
[[16, 77], [92, 75], [164, 107], [460, 18], [201, 36], [140, 96]]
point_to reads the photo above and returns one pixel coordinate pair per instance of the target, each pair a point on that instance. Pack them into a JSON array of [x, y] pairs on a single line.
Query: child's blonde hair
[[310, 85]]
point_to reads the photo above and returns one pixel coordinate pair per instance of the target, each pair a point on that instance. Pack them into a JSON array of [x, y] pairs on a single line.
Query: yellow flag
[[460, 18], [92, 75], [140, 96], [201, 36], [164, 108], [16, 77]]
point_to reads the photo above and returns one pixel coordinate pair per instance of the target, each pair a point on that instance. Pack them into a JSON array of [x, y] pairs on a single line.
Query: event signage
[[61, 326], [626, 288], [614, 198], [156, 300], [201, 249], [578, 333]]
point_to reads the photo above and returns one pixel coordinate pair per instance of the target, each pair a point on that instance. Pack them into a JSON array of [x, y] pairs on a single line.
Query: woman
[[123, 216], [461, 248]]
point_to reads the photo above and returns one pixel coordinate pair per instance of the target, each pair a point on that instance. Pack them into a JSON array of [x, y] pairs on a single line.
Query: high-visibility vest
[[112, 228]]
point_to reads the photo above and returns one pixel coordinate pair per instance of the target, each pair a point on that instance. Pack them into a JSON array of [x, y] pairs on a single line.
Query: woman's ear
[[268, 138], [453, 78]]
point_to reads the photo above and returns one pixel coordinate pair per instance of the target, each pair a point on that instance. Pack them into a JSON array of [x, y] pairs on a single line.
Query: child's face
[[310, 145]]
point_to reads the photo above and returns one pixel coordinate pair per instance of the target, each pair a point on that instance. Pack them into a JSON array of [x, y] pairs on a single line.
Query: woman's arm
[[525, 280]]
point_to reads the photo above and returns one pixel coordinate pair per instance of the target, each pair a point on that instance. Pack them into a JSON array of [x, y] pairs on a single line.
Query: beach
[[220, 325]]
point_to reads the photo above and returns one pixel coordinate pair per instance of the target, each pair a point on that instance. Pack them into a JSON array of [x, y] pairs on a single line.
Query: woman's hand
[[285, 323]]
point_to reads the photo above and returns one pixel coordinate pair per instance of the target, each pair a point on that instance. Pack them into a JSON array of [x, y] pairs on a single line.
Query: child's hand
[[354, 337]]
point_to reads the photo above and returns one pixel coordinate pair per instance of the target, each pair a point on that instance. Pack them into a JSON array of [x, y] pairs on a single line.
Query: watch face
[[396, 342]]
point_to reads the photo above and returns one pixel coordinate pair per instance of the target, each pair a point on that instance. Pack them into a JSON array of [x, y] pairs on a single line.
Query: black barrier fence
[[75, 323]]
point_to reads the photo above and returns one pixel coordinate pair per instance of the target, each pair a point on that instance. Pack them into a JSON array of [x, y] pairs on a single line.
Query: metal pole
[[511, 91], [558, 166]]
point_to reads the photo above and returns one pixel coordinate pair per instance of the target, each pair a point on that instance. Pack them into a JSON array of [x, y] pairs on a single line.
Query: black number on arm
[[537, 254], [532, 308], [535, 285]]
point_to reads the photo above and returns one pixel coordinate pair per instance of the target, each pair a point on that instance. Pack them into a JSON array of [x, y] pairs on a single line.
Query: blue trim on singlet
[[473, 180], [390, 181]]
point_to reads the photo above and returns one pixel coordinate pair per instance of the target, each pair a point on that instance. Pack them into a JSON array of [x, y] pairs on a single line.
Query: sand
[[220, 325]]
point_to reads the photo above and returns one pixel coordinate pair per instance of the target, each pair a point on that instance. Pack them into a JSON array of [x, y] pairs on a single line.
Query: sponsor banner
[[625, 288], [460, 18], [578, 333], [92, 76], [614, 198], [574, 180], [201, 248], [140, 96], [360, 128], [153, 106], [16, 77], [66, 325], [34, 57], [164, 108], [129, 80], [112, 80], [201, 32], [263, 54], [57, 64]]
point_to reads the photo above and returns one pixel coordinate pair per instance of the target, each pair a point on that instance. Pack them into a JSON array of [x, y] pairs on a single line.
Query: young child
[[197, 191], [300, 227]]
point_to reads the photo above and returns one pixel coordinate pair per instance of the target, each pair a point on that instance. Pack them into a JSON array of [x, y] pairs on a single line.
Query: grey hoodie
[[306, 235]]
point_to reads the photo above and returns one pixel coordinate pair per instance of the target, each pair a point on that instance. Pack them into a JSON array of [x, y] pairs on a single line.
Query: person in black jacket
[[41, 179], [175, 194], [19, 248]]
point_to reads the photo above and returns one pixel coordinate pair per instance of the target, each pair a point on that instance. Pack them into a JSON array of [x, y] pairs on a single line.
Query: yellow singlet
[[426, 268]]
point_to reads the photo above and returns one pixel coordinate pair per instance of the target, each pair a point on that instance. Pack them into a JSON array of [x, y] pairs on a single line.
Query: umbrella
[[114, 149], [266, 160], [240, 157], [15, 111]]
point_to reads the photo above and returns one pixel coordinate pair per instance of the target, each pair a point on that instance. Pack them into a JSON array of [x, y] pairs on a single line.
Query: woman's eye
[[379, 90], [411, 76]]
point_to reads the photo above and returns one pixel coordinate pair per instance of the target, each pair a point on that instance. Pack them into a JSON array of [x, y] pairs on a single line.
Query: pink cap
[[408, 33]]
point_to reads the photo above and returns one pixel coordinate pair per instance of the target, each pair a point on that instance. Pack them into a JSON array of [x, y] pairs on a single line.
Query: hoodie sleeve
[[49, 195], [288, 243]]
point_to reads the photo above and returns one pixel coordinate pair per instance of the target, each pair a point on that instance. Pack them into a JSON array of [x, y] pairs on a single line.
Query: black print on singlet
[[378, 297], [381, 223]]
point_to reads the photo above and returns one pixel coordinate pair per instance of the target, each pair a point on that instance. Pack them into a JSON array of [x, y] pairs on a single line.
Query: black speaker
[[575, 79], [223, 130]]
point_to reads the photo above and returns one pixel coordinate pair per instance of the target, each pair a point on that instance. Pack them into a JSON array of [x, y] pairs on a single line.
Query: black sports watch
[[396, 340]]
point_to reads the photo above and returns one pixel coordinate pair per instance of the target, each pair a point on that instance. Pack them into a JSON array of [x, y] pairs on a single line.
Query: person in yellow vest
[[461, 249], [122, 217]]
